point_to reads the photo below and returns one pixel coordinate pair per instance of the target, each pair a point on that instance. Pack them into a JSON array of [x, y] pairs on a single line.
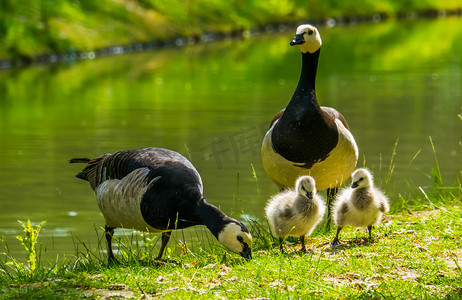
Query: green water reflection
[[212, 103]]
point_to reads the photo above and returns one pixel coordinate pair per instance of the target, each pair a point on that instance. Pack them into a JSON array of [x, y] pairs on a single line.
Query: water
[[396, 83]]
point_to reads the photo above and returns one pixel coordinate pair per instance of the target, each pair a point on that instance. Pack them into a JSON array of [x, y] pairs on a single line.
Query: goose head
[[236, 238], [361, 178], [306, 186], [307, 38]]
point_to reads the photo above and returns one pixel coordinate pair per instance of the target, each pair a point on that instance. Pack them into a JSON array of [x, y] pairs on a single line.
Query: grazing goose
[[306, 139], [157, 190], [295, 212], [360, 205]]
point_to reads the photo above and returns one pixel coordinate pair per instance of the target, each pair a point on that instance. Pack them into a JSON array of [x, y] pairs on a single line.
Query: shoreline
[[208, 37]]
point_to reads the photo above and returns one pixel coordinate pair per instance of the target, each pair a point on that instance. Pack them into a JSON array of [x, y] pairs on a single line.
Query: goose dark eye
[[240, 239], [310, 32]]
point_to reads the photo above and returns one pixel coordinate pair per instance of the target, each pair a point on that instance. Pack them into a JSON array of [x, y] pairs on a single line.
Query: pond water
[[397, 83]]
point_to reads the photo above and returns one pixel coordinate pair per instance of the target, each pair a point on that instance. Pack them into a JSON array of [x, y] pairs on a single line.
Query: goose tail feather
[[79, 160], [88, 172]]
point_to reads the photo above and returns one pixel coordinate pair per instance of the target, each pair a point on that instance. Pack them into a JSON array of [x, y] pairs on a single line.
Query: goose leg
[[335, 241], [165, 238], [331, 193], [369, 228], [302, 241], [109, 232], [281, 240]]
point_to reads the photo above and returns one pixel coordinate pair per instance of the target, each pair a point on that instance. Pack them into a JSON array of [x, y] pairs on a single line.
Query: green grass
[[416, 253]]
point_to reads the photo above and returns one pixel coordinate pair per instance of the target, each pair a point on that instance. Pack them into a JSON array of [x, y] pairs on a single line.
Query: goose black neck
[[213, 218], [304, 122], [304, 102], [308, 73]]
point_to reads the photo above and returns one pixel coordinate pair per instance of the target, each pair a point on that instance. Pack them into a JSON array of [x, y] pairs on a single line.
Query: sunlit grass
[[414, 254]]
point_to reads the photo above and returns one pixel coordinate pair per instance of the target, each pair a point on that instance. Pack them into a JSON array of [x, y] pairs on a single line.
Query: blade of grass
[[391, 166], [437, 178]]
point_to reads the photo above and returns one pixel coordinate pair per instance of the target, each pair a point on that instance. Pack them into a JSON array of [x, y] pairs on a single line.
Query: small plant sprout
[[29, 241]]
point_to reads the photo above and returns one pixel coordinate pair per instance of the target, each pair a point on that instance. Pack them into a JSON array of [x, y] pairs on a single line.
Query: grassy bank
[[416, 253], [31, 28]]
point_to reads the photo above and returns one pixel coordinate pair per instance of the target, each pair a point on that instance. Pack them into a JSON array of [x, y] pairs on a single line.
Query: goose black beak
[[247, 254], [309, 195], [354, 185], [298, 40]]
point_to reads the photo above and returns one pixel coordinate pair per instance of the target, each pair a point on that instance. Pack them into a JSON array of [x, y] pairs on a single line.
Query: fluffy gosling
[[360, 205], [295, 212]]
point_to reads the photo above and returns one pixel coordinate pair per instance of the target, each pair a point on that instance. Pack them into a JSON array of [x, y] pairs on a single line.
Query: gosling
[[295, 212], [360, 205]]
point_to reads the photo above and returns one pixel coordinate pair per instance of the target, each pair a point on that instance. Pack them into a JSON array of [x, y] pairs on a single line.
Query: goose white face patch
[[234, 239], [311, 37]]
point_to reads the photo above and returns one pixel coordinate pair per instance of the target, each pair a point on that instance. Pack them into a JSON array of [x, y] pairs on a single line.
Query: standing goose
[[295, 212], [360, 205], [157, 190], [306, 139]]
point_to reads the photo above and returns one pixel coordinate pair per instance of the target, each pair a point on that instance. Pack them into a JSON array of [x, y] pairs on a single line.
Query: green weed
[[391, 166], [29, 241]]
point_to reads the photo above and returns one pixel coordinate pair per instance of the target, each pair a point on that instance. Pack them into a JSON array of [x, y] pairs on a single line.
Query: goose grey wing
[[132, 186], [336, 114], [173, 167]]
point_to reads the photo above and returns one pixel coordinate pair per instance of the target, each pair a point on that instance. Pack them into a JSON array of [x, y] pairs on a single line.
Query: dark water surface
[[394, 82]]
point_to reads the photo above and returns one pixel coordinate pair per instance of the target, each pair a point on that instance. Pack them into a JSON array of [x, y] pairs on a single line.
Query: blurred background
[[205, 78]]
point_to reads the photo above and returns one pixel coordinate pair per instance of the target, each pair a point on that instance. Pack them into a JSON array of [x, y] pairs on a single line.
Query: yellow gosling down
[[361, 205], [295, 212]]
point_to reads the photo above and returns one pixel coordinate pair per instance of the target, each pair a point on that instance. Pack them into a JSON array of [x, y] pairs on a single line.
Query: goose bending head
[[361, 178], [306, 187], [236, 238], [307, 38]]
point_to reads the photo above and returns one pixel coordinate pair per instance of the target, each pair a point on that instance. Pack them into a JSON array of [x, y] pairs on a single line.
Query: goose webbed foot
[[335, 242], [162, 262]]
